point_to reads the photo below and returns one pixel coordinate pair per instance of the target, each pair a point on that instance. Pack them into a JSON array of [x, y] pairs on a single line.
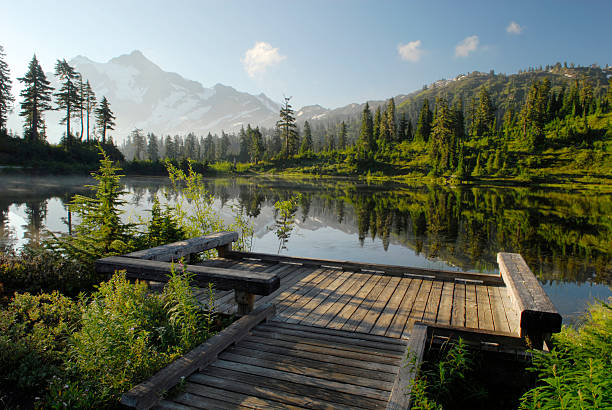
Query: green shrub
[[577, 371]]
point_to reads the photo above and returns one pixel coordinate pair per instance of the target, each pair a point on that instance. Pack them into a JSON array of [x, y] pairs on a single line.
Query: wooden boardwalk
[[375, 302], [323, 334]]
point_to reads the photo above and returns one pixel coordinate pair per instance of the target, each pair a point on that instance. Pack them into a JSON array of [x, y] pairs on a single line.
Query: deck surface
[[375, 303], [338, 338]]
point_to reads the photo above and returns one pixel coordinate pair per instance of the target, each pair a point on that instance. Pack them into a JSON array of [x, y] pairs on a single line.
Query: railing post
[[224, 250], [245, 302]]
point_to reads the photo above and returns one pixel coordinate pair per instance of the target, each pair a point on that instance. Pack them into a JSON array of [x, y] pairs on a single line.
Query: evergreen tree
[[67, 98], [390, 123], [170, 148], [401, 128], [36, 95], [243, 155], [484, 117], [342, 136], [366, 133], [256, 146], [139, 142], [152, 148], [105, 118], [209, 148], [81, 103], [533, 115], [307, 139], [286, 123], [224, 146], [424, 123], [442, 138], [376, 125], [6, 97], [90, 103]]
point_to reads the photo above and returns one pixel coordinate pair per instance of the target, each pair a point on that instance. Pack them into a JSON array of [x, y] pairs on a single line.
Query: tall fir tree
[[105, 118], [6, 97], [377, 123], [36, 95], [90, 104], [209, 148], [243, 154], [390, 122], [367, 144], [288, 128], [256, 146], [442, 138], [306, 139], [152, 147], [140, 145], [224, 146], [484, 117], [67, 97], [424, 123], [170, 152], [342, 131]]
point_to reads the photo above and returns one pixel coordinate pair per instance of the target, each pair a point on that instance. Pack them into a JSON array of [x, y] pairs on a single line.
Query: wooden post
[[245, 302], [224, 250]]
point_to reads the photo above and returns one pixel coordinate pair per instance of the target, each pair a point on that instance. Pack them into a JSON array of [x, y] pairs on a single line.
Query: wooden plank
[[346, 345], [510, 309], [235, 398], [291, 295], [293, 388], [336, 332], [446, 304], [403, 312], [320, 295], [485, 317], [303, 379], [433, 302], [500, 321], [387, 269], [256, 390], [384, 320], [537, 312], [224, 279], [416, 314], [399, 398], [471, 307], [177, 250], [198, 402], [170, 405], [340, 319], [145, 394], [478, 337], [357, 316], [290, 284], [459, 298], [320, 347], [354, 340], [343, 300], [312, 368], [329, 357], [332, 298], [369, 320]]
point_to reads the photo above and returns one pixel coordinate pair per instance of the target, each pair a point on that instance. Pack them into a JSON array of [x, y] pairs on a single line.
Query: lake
[[564, 235]]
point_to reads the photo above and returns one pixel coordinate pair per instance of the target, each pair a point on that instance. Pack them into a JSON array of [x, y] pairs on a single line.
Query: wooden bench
[[155, 264], [537, 315]]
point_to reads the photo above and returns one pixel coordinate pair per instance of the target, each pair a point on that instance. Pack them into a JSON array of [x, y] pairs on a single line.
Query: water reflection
[[565, 236]]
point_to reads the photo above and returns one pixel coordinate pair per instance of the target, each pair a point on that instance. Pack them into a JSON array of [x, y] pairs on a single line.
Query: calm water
[[566, 237]]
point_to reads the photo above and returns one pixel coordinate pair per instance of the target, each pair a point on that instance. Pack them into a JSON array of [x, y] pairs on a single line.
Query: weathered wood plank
[[510, 309], [400, 394], [357, 316], [459, 299], [257, 390], [224, 279], [340, 319], [398, 323], [237, 399], [538, 315], [471, 307], [384, 320], [293, 388], [387, 269], [416, 314], [177, 250], [146, 394], [433, 302], [303, 379], [500, 321], [446, 304], [485, 317], [478, 337]]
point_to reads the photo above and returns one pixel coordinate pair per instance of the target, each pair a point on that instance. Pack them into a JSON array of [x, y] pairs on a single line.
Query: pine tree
[[170, 148], [140, 145], [224, 146], [67, 98], [152, 148], [377, 123], [209, 148], [533, 115], [307, 139], [90, 103], [6, 97], [342, 136], [401, 128], [288, 128], [243, 155], [105, 118], [367, 144], [442, 138], [484, 118], [36, 95], [390, 123], [424, 124], [256, 146], [81, 103]]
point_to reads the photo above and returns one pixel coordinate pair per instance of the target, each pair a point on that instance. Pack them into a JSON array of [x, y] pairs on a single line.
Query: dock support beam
[[245, 302]]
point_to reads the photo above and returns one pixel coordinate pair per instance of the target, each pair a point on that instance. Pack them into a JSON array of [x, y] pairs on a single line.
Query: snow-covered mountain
[[142, 95]]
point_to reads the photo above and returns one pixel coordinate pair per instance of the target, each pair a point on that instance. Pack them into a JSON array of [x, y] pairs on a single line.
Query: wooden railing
[[155, 264]]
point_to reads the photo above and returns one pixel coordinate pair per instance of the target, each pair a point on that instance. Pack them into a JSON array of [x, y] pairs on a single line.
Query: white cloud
[[514, 28], [257, 59], [411, 51], [467, 46]]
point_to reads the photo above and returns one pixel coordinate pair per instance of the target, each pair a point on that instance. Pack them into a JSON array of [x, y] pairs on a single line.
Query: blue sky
[[330, 52]]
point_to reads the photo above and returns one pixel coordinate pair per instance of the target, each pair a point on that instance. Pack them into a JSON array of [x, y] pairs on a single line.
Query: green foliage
[[100, 231], [576, 372], [36, 95], [163, 227], [285, 219]]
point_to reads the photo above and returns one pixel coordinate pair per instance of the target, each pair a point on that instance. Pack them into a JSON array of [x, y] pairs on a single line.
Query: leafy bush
[[577, 371]]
